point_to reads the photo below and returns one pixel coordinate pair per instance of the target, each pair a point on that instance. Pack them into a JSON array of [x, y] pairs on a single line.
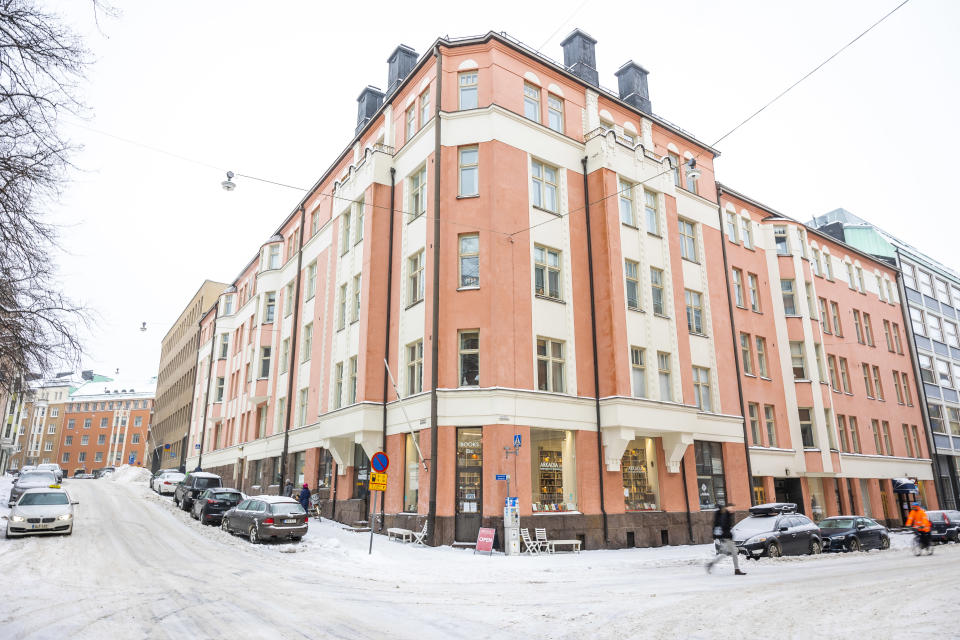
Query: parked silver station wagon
[[266, 517]]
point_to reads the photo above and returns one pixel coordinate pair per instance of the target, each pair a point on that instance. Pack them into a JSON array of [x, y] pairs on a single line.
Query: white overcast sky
[[269, 89]]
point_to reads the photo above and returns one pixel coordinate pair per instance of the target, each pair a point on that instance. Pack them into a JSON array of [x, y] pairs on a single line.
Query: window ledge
[[699, 335], [413, 304], [462, 197], [636, 309], [415, 217], [655, 235], [689, 260], [627, 224], [548, 298], [750, 375], [554, 513], [538, 208], [474, 287], [793, 315], [660, 315], [766, 378]]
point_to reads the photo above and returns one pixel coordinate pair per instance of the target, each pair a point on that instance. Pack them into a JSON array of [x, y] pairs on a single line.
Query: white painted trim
[[468, 65]]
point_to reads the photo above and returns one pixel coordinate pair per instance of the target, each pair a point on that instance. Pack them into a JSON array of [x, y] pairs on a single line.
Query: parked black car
[[853, 533], [775, 529], [944, 526], [263, 517], [213, 503], [192, 486]]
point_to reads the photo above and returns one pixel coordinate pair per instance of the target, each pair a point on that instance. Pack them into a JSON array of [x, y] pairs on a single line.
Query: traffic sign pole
[[372, 512]]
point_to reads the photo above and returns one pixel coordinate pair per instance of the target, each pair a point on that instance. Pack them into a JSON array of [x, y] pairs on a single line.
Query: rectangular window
[[746, 353], [651, 211], [410, 118], [943, 374], [287, 300], [953, 416], [828, 264], [818, 353], [762, 357], [284, 355], [798, 361], [746, 228], [638, 371], [338, 385], [896, 387], [269, 307], [842, 428], [656, 290], [531, 102], [273, 259], [701, 388], [694, 300], [896, 337], [811, 307], [780, 240], [218, 390], [691, 180], [307, 347], [926, 283], [887, 336], [950, 332], [415, 278], [806, 428], [424, 107], [66, 457], [754, 284], [469, 358], [789, 297], [311, 280], [555, 113], [936, 417], [468, 90], [675, 167], [854, 435], [824, 316], [469, 260], [926, 368], [815, 262], [851, 280], [345, 232], [264, 362], [638, 466], [663, 374], [69, 441], [861, 285], [856, 326], [710, 479], [544, 186], [888, 443], [546, 272], [355, 315], [352, 387], [905, 380], [625, 195], [224, 345], [550, 365], [732, 230], [909, 276], [906, 441], [877, 385], [553, 470], [845, 375], [302, 407], [877, 442], [359, 208], [342, 306], [753, 412], [738, 296], [934, 327], [411, 475], [837, 329], [469, 171], [631, 272], [916, 319], [688, 240], [415, 367], [418, 193]]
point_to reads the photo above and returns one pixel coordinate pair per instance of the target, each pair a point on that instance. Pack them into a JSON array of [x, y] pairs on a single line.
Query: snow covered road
[[138, 568]]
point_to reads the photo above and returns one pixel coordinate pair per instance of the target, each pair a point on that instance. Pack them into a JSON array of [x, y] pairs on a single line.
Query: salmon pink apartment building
[[512, 271]]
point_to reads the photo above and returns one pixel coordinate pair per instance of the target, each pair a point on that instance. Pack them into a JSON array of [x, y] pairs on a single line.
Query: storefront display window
[[710, 482], [411, 478], [640, 476], [326, 469], [817, 500], [553, 470], [759, 493], [299, 462], [361, 487]]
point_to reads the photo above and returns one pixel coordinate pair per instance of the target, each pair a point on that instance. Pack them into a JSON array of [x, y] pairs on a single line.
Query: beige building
[[176, 378]]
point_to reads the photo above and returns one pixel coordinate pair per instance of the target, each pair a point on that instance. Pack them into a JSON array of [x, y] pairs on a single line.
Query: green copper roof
[[866, 239]]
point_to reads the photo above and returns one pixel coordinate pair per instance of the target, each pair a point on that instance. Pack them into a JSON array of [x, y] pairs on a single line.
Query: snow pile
[[130, 475]]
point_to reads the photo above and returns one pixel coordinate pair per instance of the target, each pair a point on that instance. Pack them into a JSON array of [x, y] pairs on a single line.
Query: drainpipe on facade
[[736, 349], [435, 322], [921, 389], [593, 337], [206, 396], [295, 326], [386, 338]]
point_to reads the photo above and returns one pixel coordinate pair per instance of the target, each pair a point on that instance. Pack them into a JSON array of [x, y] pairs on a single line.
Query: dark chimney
[[368, 102], [632, 83], [579, 56], [400, 63], [87, 374]]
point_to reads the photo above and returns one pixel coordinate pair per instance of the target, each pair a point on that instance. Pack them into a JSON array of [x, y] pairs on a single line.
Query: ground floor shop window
[[817, 500], [325, 477], [640, 487], [361, 465], [865, 497], [759, 493], [710, 482], [411, 477], [299, 462], [276, 471], [553, 470], [469, 470]]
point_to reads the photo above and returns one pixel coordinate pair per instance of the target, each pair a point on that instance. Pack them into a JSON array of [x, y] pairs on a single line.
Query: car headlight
[[755, 540], [17, 518], [66, 516]]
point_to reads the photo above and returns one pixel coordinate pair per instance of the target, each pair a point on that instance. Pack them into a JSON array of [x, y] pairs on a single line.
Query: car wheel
[[184, 505], [193, 514], [815, 547], [224, 526], [297, 538], [774, 551], [884, 543], [253, 535], [853, 544]]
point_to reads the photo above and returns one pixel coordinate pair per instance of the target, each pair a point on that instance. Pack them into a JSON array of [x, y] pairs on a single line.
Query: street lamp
[[229, 184]]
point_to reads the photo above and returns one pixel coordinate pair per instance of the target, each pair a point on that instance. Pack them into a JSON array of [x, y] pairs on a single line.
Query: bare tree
[[41, 63]]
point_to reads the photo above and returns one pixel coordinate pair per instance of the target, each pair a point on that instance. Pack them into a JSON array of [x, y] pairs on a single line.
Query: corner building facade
[[830, 398], [522, 174]]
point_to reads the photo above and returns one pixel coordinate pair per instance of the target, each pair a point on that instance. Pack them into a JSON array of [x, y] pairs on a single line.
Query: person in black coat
[[305, 497], [722, 525]]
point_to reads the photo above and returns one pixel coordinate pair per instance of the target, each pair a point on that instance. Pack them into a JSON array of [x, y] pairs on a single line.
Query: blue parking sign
[[516, 440]]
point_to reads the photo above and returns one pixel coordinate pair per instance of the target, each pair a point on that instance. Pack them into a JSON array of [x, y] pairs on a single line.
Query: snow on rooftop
[[120, 386]]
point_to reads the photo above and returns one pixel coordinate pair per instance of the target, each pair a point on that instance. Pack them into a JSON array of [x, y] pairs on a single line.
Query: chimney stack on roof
[[400, 64], [579, 56], [370, 99], [632, 84]]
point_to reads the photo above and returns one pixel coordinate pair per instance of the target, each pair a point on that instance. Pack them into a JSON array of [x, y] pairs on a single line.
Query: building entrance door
[[789, 490], [361, 487], [469, 484]]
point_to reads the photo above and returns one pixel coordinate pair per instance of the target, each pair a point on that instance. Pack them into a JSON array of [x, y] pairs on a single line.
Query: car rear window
[[207, 483], [837, 523], [227, 496], [286, 509], [34, 499]]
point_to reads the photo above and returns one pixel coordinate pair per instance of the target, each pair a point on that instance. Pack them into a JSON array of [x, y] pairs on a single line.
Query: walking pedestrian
[[305, 498], [288, 488], [722, 524]]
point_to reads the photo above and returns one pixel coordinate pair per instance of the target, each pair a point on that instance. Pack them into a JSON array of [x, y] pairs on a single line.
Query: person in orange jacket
[[917, 518]]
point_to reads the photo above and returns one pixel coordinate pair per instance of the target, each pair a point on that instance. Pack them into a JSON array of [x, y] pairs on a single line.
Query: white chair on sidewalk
[[532, 546]]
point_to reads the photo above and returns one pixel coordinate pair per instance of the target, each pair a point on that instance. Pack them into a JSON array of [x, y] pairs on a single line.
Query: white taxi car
[[41, 510]]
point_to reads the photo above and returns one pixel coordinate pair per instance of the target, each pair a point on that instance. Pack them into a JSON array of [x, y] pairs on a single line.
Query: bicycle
[[918, 547], [314, 509]]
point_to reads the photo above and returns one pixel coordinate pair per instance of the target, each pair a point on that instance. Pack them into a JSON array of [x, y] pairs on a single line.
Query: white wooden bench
[[398, 533], [573, 544]]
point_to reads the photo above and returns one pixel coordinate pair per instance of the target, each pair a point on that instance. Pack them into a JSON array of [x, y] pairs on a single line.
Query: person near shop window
[[288, 488], [918, 520], [305, 497], [722, 525]]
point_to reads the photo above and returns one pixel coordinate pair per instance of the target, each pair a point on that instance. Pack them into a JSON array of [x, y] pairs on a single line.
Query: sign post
[[378, 483]]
